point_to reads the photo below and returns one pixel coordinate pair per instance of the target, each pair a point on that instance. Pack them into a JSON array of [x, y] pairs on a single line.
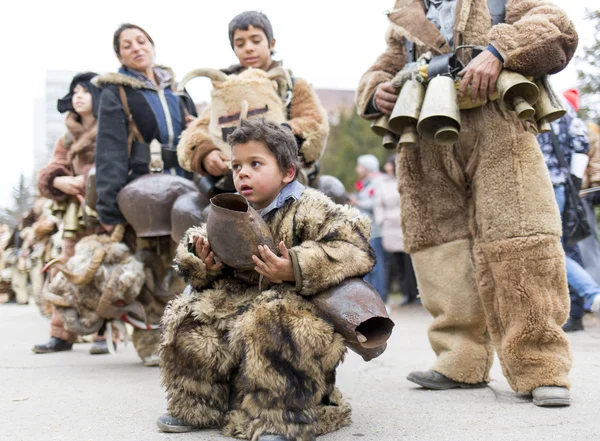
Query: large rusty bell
[[91, 194], [187, 212], [548, 107], [356, 311], [404, 117], [146, 202], [440, 115], [517, 93], [235, 230]]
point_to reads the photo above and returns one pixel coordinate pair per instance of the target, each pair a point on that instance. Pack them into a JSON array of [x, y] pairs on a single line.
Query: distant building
[[49, 124], [336, 102]]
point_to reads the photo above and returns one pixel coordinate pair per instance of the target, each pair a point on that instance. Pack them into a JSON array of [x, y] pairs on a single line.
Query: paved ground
[[76, 396]]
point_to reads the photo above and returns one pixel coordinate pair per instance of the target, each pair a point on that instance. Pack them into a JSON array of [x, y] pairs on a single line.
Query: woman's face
[[136, 51], [82, 101]]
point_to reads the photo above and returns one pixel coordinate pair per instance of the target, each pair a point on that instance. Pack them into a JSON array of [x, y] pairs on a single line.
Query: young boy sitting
[[251, 37], [261, 364]]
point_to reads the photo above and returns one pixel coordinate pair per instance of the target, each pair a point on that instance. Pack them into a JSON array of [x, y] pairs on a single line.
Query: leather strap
[[132, 129]]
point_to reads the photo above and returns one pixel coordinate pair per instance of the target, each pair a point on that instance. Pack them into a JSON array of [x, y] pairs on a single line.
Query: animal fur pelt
[[120, 275], [253, 362]]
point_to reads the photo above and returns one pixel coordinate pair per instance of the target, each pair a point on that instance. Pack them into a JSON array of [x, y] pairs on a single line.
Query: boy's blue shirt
[[291, 191]]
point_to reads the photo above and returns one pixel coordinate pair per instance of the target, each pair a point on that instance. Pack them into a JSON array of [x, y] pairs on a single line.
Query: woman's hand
[[386, 96], [202, 250], [70, 185], [214, 163], [482, 74], [276, 269]]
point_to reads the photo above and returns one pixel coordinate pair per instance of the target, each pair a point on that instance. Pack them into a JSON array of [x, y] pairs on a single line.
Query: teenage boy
[[251, 38]]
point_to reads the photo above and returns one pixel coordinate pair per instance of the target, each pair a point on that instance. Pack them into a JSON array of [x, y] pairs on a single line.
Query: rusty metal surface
[[146, 202], [235, 230], [187, 211], [91, 195], [357, 312]]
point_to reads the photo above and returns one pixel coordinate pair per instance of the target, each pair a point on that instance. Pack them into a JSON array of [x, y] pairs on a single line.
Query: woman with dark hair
[[140, 119], [64, 177], [139, 107]]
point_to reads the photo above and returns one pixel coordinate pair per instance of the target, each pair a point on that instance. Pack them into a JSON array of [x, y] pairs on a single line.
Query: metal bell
[[404, 117], [548, 107], [517, 93], [440, 115]]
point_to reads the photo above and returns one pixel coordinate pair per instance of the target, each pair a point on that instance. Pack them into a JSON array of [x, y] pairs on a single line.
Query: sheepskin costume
[[265, 98], [253, 362], [479, 217]]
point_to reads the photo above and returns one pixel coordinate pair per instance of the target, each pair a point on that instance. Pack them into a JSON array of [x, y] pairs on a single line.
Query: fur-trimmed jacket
[[73, 155], [149, 106], [536, 38], [327, 243], [306, 117]]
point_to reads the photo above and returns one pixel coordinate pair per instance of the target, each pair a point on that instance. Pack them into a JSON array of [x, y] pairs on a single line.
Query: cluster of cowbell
[[433, 111]]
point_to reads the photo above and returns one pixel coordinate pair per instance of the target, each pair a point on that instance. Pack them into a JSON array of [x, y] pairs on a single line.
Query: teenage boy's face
[[252, 48], [257, 175]]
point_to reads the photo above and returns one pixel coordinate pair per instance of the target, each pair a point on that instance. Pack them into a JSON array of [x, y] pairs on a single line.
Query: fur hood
[[119, 79]]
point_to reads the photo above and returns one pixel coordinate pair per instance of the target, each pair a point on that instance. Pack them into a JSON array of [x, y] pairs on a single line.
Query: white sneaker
[[596, 305]]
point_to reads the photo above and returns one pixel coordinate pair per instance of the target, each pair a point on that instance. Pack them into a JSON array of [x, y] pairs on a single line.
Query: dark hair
[[119, 31], [279, 140], [250, 18]]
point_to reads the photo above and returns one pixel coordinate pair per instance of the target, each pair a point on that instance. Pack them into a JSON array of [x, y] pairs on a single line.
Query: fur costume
[[305, 115], [255, 362], [479, 217], [73, 155]]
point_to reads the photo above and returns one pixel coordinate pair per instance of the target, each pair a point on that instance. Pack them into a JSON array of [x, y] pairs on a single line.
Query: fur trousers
[[252, 363], [483, 228]]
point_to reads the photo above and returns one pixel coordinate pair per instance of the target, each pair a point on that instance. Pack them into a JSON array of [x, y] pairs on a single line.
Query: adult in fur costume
[[479, 217], [258, 362], [65, 176], [251, 37]]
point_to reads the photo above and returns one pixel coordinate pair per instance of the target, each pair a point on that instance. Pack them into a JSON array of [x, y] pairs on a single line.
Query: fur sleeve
[[308, 121], [195, 144], [334, 243], [384, 69], [188, 265], [58, 166], [537, 38]]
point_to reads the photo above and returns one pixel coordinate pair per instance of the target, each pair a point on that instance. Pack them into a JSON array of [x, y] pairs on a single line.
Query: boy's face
[[256, 174], [252, 48]]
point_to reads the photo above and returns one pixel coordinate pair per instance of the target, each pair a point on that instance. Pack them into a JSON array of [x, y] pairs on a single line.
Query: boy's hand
[[214, 163], [202, 250], [276, 269]]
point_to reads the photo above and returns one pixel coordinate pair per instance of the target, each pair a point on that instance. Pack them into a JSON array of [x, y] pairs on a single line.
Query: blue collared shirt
[[291, 191]]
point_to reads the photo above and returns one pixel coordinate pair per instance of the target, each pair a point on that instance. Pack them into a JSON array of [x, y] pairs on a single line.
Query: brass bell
[[380, 126], [404, 117], [389, 141], [548, 107], [71, 221], [517, 93], [440, 116]]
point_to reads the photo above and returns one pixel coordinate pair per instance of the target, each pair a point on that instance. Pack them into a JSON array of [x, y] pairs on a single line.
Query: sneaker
[[573, 324], [100, 347], [595, 308], [169, 424], [151, 360], [54, 344], [436, 381], [551, 396]]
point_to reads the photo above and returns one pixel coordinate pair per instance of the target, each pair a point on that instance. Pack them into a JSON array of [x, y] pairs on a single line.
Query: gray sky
[[330, 43]]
